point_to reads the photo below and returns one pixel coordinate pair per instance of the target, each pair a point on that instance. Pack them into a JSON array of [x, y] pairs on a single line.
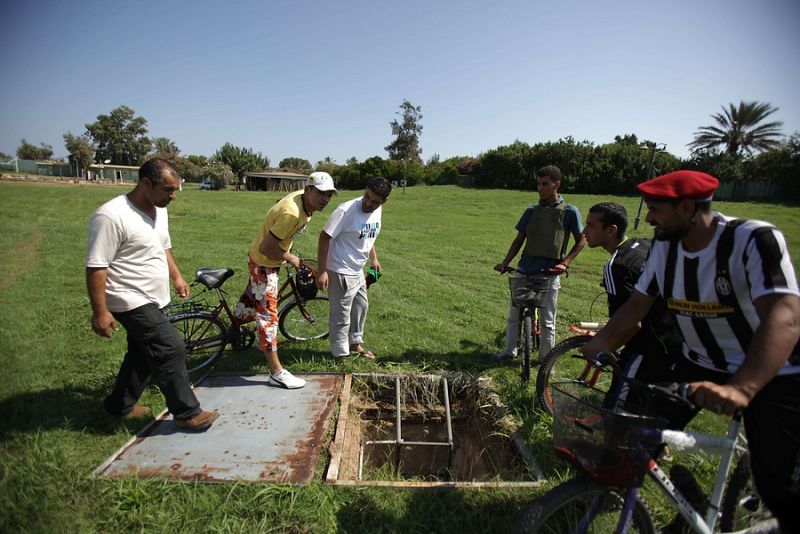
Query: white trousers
[[348, 305], [547, 320]]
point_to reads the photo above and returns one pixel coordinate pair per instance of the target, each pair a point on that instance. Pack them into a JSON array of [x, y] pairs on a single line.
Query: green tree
[[164, 147], [740, 130], [188, 170], [240, 160], [726, 167], [627, 139], [780, 166], [27, 150], [405, 146], [506, 167], [445, 172], [81, 150], [296, 164], [219, 174], [327, 164], [200, 161], [120, 136], [191, 167]]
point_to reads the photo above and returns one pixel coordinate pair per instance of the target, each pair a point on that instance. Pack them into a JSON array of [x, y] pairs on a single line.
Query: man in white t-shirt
[[129, 264], [346, 242]]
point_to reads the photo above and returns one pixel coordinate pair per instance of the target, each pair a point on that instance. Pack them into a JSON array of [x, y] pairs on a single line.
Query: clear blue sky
[[323, 78]]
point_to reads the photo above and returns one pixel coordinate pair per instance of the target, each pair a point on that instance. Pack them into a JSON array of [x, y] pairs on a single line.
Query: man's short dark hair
[[612, 213], [154, 169], [380, 186], [551, 171]]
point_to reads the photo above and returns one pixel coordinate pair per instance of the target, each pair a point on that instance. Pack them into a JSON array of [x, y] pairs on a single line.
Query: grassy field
[[439, 305]]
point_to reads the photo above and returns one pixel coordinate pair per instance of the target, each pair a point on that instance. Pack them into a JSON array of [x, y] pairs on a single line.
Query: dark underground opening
[[443, 429]]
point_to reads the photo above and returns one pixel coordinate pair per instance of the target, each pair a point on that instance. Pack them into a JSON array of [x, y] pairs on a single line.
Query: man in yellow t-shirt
[[270, 248]]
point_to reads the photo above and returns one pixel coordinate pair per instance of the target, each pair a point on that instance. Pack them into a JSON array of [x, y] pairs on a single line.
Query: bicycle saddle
[[213, 278]]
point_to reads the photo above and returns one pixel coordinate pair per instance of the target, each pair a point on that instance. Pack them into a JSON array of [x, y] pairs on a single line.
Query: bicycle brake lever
[[605, 358]]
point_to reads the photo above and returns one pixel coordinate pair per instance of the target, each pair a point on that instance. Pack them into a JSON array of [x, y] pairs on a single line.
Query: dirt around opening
[[482, 447]]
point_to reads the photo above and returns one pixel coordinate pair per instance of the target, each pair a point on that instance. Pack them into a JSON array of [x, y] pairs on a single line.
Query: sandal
[[365, 353]]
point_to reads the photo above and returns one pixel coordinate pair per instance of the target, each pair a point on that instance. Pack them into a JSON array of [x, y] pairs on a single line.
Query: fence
[[743, 191]]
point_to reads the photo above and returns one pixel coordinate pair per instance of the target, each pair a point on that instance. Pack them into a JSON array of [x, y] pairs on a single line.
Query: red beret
[[678, 185]]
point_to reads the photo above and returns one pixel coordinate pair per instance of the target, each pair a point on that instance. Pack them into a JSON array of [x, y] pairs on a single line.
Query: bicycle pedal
[[243, 338]]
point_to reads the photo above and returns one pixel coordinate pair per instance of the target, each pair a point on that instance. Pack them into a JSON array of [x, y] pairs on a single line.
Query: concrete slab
[[264, 433]]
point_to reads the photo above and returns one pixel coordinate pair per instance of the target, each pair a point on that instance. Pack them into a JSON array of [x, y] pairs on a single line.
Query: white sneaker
[[287, 380]]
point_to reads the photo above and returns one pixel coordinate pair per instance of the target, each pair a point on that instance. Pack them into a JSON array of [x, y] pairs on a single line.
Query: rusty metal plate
[[263, 433]]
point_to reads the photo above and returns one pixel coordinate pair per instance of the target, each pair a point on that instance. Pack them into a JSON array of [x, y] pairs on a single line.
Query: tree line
[[740, 145]]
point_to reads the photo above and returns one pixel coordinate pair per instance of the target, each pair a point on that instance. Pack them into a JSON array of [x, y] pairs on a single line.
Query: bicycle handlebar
[[540, 273], [677, 392]]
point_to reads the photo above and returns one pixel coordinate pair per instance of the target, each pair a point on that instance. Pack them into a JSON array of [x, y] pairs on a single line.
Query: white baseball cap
[[322, 181]]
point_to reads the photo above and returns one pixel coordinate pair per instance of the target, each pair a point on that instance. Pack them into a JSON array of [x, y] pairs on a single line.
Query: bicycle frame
[[530, 308], [725, 445], [222, 303], [292, 293]]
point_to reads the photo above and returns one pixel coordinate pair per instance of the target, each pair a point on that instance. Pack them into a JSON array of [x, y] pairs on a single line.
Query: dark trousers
[[156, 354], [772, 427]]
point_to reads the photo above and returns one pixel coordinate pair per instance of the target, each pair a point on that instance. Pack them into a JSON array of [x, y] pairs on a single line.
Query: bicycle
[[207, 328], [565, 362], [615, 448], [527, 292]]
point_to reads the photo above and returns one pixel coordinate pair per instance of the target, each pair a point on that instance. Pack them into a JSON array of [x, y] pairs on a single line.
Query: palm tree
[[165, 148], [739, 131]]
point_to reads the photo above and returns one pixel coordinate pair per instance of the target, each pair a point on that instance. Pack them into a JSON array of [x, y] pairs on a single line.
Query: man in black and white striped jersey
[[732, 288]]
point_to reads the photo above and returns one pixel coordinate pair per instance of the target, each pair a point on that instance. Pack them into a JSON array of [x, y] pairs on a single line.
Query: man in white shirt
[[346, 242], [129, 264]]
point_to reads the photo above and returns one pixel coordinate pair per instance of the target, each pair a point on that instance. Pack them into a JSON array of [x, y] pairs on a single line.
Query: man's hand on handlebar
[[718, 398], [502, 268], [594, 347]]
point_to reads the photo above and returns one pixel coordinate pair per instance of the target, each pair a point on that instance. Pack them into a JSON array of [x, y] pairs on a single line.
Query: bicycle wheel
[[527, 347], [564, 362], [741, 507], [565, 507], [306, 320], [204, 335]]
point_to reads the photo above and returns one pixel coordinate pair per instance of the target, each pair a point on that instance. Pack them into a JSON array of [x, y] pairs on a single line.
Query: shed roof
[[278, 174]]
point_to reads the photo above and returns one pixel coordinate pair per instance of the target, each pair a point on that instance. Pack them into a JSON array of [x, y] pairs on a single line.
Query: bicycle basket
[[601, 441], [305, 283], [527, 289]]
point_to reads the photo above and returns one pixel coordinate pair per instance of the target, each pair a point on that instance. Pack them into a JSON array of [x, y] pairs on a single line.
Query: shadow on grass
[[427, 510], [72, 407]]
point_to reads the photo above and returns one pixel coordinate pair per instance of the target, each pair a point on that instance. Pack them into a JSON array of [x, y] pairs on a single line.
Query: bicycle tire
[[527, 347], [562, 508], [558, 365], [295, 327], [204, 337]]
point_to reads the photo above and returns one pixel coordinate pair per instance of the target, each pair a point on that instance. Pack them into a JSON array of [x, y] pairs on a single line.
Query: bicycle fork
[[726, 445], [599, 503]]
